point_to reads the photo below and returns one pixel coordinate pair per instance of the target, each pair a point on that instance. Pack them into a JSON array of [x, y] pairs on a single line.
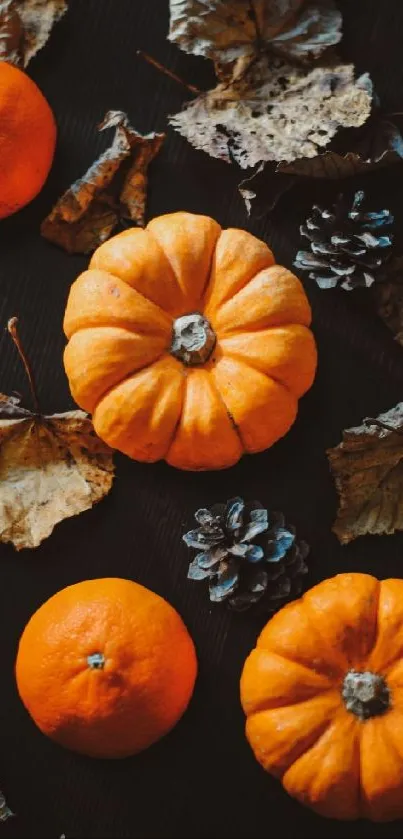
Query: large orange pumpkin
[[323, 695], [106, 667], [187, 342]]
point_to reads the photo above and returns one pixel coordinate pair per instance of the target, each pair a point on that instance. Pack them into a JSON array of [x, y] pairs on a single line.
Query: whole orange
[[106, 667], [27, 139]]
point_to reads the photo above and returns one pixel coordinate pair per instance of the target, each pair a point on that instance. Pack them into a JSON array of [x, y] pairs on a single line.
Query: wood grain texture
[[202, 781]]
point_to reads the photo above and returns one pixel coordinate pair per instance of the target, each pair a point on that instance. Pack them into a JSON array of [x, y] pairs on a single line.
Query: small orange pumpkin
[[323, 695], [187, 342]]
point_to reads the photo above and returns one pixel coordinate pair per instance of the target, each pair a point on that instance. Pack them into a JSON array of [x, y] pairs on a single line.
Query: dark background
[[201, 780]]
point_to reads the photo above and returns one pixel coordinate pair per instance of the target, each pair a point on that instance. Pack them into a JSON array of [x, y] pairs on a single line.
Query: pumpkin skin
[[323, 696], [188, 343]]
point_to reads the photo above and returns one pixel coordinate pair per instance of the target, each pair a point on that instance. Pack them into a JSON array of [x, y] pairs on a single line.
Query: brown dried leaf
[[389, 298], [263, 190], [10, 408], [133, 196], [334, 166], [226, 30], [25, 26], [368, 470], [90, 209], [82, 234], [11, 32], [51, 468], [275, 111]]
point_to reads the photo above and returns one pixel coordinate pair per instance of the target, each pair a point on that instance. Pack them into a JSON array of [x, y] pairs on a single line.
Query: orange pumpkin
[[187, 342], [323, 695]]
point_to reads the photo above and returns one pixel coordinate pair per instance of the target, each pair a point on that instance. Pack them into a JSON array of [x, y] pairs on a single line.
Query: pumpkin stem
[[12, 327], [193, 339], [96, 661], [365, 694]]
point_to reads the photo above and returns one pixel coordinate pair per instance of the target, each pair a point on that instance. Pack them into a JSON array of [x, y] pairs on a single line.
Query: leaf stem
[[384, 425], [12, 327], [153, 61], [254, 18]]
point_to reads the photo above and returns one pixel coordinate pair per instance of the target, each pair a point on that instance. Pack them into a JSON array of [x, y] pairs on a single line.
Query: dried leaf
[[262, 191], [389, 298], [85, 233], [226, 31], [91, 208], [380, 136], [334, 166], [378, 142], [11, 32], [368, 470], [275, 111], [51, 468], [10, 408], [25, 26], [317, 28], [248, 196], [133, 196], [395, 139]]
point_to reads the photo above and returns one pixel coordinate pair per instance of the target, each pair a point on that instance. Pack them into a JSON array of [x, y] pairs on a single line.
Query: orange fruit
[[27, 139], [106, 667]]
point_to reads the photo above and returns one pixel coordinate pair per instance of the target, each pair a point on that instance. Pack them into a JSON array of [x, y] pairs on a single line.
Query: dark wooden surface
[[202, 780]]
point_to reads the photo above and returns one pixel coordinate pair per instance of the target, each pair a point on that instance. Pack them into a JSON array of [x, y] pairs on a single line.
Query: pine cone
[[240, 570], [348, 247]]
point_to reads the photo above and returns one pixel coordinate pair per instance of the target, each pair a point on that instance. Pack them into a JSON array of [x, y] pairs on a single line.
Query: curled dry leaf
[[264, 187], [114, 187], [275, 112], [226, 31], [378, 143], [388, 297], [380, 137], [51, 467], [332, 165], [368, 470], [263, 190], [25, 26]]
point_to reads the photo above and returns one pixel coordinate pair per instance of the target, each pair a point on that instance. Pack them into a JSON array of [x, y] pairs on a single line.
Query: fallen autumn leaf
[[25, 26], [51, 467], [226, 31], [388, 297], [275, 111], [368, 470], [92, 207]]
